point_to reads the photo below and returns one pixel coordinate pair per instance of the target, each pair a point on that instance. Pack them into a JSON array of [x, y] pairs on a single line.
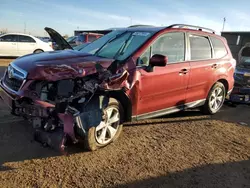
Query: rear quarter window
[[219, 48]]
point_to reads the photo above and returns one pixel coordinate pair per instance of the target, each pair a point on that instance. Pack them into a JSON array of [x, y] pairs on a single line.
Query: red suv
[[128, 74]]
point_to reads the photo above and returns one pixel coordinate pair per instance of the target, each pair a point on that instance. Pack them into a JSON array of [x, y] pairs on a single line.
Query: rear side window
[[219, 48], [23, 38], [9, 38], [200, 48]]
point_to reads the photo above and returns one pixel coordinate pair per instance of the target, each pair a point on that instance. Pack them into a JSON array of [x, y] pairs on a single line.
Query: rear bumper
[[240, 95]]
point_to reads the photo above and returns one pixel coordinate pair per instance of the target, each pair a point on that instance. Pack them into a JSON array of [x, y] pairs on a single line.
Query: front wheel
[[215, 99], [109, 128]]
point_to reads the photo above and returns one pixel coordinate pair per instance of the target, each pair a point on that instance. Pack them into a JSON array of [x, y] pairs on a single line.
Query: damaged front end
[[62, 102]]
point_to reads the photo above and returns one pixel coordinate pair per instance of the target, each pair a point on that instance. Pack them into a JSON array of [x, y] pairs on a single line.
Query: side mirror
[[158, 60]]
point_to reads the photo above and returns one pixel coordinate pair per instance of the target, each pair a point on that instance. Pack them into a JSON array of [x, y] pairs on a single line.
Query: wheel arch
[[122, 97], [225, 83], [37, 50]]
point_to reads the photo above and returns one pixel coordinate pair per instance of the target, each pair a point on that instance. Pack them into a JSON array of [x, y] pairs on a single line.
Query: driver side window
[[171, 45]]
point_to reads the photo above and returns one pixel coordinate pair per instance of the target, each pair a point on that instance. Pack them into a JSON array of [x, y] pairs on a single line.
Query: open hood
[[58, 39]]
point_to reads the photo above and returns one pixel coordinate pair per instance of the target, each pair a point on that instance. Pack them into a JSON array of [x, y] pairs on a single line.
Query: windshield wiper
[[109, 41], [121, 50]]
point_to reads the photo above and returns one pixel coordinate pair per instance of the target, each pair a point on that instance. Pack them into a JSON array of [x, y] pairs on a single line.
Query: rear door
[[8, 45], [26, 45], [202, 67], [165, 87]]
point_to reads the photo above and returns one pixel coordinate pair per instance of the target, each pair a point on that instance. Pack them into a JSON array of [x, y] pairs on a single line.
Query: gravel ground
[[181, 150]]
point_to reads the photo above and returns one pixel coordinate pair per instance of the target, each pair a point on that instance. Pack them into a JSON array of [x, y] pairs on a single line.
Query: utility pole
[[224, 22], [24, 28]]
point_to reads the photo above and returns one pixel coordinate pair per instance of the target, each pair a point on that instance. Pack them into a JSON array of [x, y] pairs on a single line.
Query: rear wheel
[[215, 99], [38, 51], [109, 128]]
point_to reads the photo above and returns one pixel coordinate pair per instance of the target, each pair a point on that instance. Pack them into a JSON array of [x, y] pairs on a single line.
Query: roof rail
[[192, 26], [141, 26]]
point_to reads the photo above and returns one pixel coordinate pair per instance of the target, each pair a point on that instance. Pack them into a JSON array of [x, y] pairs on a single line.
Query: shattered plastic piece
[[68, 122], [243, 123], [56, 139]]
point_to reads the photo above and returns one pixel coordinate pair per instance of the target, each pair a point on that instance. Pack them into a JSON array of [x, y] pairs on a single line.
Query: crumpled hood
[[58, 65]]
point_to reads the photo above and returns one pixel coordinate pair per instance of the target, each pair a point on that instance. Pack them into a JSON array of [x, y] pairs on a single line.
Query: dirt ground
[[186, 149]]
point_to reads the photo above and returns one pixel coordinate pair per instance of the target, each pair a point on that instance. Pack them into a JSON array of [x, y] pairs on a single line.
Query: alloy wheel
[[216, 99], [108, 128]]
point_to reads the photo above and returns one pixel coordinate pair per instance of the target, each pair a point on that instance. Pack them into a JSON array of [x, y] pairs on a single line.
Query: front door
[[165, 88], [8, 45]]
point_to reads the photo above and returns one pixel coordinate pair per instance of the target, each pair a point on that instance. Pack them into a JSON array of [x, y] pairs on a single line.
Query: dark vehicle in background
[[238, 42], [128, 74], [241, 91], [72, 40], [83, 38]]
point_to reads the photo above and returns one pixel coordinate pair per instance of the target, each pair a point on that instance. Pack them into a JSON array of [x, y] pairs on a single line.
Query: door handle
[[183, 71], [214, 66]]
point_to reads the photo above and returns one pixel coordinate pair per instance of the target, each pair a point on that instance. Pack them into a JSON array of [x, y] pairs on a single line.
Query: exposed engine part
[[37, 122], [65, 88], [49, 126]]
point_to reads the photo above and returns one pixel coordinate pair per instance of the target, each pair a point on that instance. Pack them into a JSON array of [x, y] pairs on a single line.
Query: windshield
[[245, 56], [117, 44]]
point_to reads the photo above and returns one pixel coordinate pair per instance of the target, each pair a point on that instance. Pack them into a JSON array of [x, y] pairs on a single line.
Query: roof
[[155, 29], [19, 34], [149, 29]]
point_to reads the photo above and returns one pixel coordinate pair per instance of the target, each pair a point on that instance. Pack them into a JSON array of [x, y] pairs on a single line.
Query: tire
[[38, 51], [210, 107], [92, 141]]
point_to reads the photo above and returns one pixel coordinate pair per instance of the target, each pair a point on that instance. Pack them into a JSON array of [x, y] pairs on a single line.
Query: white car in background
[[15, 44]]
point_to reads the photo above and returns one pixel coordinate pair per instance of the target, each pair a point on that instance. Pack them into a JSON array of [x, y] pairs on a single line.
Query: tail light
[[233, 62]]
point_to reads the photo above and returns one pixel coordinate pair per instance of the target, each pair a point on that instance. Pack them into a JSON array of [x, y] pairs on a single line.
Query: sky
[[65, 16]]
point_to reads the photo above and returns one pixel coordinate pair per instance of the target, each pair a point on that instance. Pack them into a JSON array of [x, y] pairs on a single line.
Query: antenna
[[224, 22], [24, 30]]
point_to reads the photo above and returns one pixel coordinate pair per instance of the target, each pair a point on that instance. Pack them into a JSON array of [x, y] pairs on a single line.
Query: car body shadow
[[17, 143], [231, 174]]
